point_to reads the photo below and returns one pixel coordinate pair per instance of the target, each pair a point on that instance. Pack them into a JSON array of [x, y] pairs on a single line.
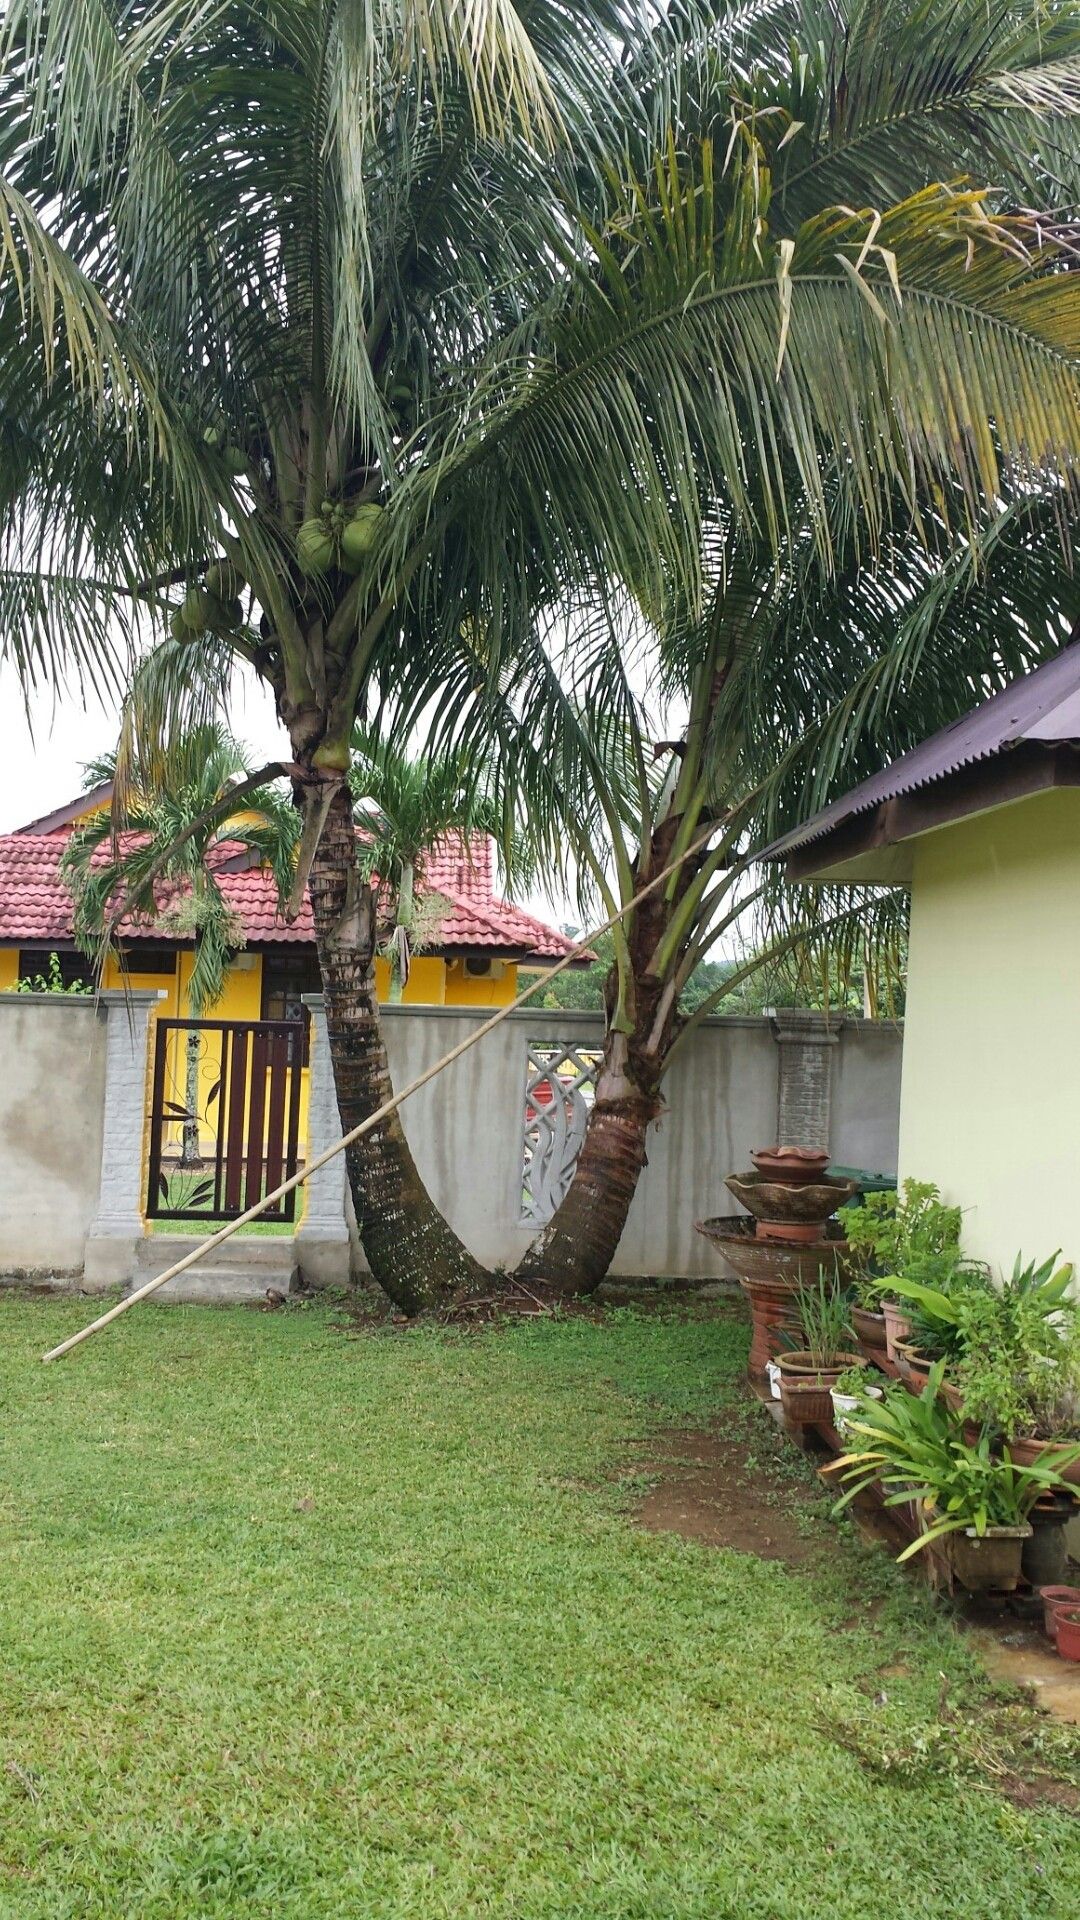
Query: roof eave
[[876, 846]]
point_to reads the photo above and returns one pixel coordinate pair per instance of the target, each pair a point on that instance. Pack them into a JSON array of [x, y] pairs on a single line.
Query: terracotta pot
[[771, 1275], [1027, 1451], [870, 1329], [788, 1232], [897, 1325], [810, 1204], [1053, 1599], [952, 1396], [794, 1166], [1068, 1633], [918, 1366], [805, 1387]]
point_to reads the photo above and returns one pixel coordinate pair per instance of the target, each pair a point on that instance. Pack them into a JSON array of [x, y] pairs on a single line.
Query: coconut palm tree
[[331, 333], [791, 688], [152, 858]]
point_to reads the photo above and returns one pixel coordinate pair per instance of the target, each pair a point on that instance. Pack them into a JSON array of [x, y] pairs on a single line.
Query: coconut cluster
[[215, 607], [340, 536]]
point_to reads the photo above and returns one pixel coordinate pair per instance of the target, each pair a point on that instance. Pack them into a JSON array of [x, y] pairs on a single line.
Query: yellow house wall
[[9, 968], [990, 1096], [466, 990]]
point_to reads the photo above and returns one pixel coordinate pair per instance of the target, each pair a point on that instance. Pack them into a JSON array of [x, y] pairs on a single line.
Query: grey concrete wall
[[52, 1097], [866, 1095], [722, 1092], [71, 1174]]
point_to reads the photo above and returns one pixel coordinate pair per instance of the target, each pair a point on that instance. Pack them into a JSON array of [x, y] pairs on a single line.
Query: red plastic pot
[[1054, 1600], [1068, 1633]]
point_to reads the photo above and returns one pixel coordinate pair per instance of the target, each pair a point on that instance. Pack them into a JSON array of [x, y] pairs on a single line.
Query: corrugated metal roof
[[1042, 706]]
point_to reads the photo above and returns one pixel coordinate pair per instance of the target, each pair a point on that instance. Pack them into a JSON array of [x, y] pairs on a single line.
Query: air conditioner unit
[[484, 969]]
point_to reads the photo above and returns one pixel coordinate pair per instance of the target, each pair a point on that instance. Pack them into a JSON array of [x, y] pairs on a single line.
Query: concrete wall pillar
[[117, 1227], [322, 1239], [805, 1039]]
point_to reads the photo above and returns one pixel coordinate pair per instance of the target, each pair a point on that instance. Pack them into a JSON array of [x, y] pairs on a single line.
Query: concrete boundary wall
[[74, 1097]]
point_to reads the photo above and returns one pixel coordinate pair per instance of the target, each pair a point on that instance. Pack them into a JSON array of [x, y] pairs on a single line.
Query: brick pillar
[[322, 1239], [118, 1226], [804, 1040]]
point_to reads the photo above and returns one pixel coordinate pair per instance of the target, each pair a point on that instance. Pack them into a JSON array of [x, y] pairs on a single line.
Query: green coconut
[[314, 547], [235, 460], [196, 610], [361, 532], [224, 580]]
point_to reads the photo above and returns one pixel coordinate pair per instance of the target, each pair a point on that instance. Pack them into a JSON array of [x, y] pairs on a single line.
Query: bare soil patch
[[717, 1489]]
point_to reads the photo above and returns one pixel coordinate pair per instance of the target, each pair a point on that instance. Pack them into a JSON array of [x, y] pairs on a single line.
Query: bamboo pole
[[374, 1119]]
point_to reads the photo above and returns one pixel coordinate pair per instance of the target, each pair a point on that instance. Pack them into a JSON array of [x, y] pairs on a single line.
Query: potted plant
[[911, 1232], [1018, 1368], [1068, 1633], [969, 1505], [807, 1373], [848, 1393]]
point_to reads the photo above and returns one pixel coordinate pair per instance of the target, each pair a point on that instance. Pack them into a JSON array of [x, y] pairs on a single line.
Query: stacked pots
[[787, 1243]]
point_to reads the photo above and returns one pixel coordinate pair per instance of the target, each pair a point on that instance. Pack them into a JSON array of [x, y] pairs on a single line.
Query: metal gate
[[224, 1118]]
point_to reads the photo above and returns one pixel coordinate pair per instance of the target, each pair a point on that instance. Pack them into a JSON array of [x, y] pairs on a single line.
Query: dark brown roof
[[1019, 741]]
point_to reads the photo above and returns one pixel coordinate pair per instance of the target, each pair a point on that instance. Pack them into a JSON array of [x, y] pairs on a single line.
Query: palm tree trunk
[[576, 1248], [412, 1252]]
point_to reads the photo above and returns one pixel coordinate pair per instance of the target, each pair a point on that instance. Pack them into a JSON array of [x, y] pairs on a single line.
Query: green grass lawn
[[302, 1625]]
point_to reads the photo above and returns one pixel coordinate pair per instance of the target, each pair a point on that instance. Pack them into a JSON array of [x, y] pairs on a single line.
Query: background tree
[[157, 856], [326, 344]]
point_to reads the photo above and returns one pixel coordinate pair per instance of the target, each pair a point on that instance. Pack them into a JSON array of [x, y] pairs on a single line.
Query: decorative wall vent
[[560, 1086]]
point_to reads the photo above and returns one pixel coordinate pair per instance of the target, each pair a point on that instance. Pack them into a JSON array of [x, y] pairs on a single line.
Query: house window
[[158, 960], [285, 978], [36, 962]]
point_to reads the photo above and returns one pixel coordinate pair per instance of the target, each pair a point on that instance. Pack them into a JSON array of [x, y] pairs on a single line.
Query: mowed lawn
[[298, 1624]]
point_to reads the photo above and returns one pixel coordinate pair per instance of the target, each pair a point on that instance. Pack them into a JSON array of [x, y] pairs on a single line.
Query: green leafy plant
[[854, 1380], [1018, 1366], [915, 1446], [51, 982], [911, 1232], [822, 1319]]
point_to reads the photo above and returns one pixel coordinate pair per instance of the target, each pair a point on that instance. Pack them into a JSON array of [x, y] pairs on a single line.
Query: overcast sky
[[44, 751]]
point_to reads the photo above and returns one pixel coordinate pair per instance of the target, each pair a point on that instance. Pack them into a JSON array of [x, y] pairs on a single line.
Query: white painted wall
[[990, 1101]]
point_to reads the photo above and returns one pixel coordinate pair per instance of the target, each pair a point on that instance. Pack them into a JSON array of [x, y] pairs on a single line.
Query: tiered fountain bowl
[[788, 1240]]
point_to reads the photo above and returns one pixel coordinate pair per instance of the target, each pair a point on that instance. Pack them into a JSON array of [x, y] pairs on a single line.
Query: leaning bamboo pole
[[374, 1119]]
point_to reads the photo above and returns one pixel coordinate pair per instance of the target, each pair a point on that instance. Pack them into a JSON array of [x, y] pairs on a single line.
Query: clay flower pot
[[897, 1326], [914, 1365], [870, 1329], [1068, 1633], [1027, 1451], [805, 1387], [1055, 1600], [791, 1166]]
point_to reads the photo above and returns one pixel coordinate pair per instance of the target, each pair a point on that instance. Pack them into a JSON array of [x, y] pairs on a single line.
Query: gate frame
[[239, 1121]]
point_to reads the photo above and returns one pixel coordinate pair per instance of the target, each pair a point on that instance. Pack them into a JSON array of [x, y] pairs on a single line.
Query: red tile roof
[[35, 906]]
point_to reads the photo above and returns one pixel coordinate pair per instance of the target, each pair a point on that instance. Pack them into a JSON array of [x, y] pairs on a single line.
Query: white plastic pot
[[845, 1404], [773, 1372]]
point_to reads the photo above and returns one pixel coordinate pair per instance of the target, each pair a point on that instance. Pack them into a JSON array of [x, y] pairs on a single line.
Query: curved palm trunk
[[412, 1252], [576, 1248]]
